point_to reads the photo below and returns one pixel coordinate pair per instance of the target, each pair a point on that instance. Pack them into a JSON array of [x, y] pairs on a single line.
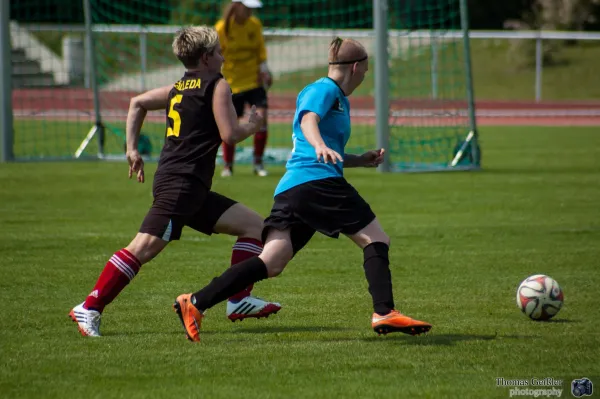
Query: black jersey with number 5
[[192, 137]]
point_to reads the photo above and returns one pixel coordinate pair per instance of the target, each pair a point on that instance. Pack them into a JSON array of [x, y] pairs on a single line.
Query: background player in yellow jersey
[[245, 69]]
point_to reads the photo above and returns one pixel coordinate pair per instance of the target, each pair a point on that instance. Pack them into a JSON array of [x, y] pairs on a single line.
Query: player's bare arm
[[231, 131], [264, 74], [369, 159], [310, 129], [265, 77], [138, 108]]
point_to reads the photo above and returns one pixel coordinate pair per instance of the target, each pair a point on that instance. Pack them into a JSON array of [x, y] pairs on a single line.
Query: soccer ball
[[539, 297]]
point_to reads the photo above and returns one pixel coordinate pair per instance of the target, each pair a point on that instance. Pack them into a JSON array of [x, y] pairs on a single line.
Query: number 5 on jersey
[[174, 116]]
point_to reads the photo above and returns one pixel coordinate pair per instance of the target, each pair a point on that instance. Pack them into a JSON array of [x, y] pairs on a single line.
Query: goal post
[[431, 95], [381, 94], [472, 141], [416, 100], [52, 96], [6, 117], [97, 129]]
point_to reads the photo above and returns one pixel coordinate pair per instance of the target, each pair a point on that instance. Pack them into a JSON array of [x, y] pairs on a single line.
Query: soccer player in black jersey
[[200, 116]]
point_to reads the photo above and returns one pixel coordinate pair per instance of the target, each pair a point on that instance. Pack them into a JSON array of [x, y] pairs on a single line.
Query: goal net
[[56, 117]]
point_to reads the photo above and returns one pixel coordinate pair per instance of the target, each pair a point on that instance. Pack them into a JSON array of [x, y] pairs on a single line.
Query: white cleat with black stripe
[[259, 170], [88, 321], [251, 307]]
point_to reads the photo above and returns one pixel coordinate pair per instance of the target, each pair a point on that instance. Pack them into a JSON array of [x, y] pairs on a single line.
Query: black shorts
[[181, 202], [330, 206], [252, 97]]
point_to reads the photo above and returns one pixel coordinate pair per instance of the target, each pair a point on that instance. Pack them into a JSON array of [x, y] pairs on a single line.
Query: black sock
[[232, 281], [379, 277]]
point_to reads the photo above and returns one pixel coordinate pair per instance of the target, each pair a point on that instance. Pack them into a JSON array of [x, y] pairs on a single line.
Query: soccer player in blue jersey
[[314, 196]]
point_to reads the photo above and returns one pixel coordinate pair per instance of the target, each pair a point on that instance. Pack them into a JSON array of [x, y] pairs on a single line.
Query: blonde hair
[[192, 42], [334, 49]]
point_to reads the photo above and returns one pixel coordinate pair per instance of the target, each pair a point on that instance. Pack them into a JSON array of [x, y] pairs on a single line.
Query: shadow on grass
[[432, 339], [428, 339], [290, 329], [249, 330], [559, 321], [447, 339], [148, 333]]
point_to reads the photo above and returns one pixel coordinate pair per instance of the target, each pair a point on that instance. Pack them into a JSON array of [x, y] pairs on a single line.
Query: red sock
[[260, 142], [228, 152], [118, 272], [244, 248]]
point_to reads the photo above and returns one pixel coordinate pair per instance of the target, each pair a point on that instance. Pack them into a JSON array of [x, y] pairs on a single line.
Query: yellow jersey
[[244, 50]]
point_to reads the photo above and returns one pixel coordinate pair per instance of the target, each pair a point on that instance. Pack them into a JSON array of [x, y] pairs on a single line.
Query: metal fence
[[142, 33]]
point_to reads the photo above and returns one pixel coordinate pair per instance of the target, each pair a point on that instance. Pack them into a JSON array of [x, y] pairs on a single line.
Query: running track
[[77, 104]]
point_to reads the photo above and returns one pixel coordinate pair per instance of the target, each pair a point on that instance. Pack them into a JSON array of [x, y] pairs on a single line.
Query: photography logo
[[547, 387], [582, 387]]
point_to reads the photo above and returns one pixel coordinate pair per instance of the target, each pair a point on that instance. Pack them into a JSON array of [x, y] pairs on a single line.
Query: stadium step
[[27, 72], [18, 55], [44, 79], [25, 67]]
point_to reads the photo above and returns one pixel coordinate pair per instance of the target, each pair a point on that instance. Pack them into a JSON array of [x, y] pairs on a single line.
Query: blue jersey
[[326, 99]]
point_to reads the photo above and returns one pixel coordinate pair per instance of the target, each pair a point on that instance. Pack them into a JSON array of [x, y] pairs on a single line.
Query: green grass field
[[461, 244], [572, 77]]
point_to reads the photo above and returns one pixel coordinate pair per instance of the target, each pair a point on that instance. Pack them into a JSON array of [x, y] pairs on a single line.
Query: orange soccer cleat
[[190, 317], [397, 322]]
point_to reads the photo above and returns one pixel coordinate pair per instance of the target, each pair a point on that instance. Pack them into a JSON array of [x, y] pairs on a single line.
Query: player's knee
[[276, 261], [263, 114], [278, 251], [380, 237], [365, 240], [145, 247], [274, 269], [240, 221], [386, 240], [252, 227]]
